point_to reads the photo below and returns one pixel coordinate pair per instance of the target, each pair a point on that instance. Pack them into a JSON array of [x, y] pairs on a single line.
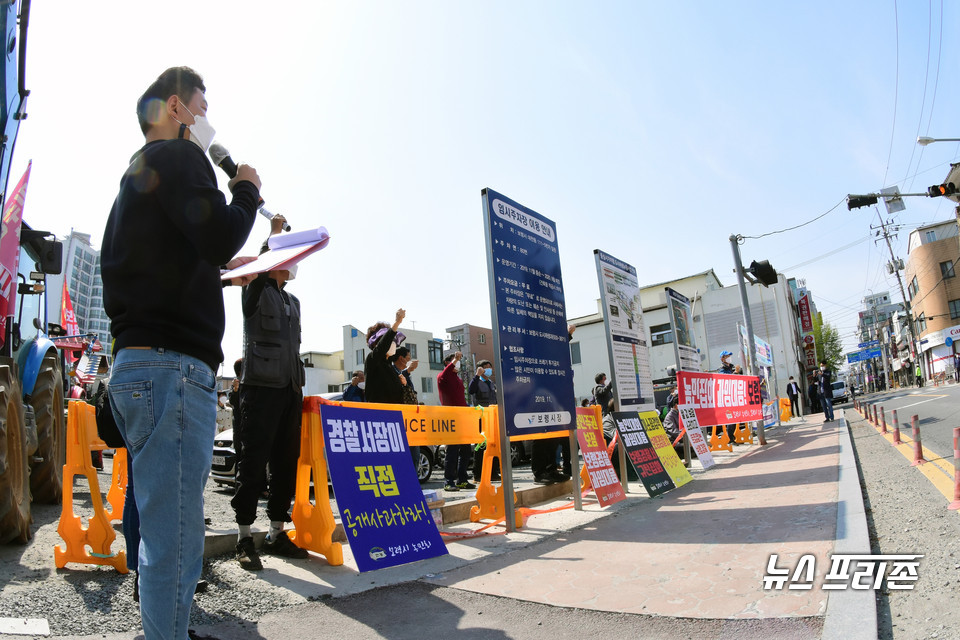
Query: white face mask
[[201, 131], [361, 385], [292, 272]]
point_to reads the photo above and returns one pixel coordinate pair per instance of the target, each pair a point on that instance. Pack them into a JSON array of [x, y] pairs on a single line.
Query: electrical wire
[[770, 233], [926, 75], [896, 89]]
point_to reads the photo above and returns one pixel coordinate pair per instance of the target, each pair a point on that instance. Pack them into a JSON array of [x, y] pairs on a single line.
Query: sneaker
[[451, 487], [466, 484], [247, 555], [283, 547], [544, 479], [560, 476]]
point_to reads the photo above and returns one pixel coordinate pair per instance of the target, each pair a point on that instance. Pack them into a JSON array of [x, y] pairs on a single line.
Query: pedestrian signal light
[[855, 202], [945, 189]]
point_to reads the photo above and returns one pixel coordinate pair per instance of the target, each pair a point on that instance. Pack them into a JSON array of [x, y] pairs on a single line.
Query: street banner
[[806, 319], [809, 352], [719, 398], [762, 351], [385, 517], [664, 448], [642, 455], [10, 249], [688, 418], [627, 346], [68, 319], [529, 318], [594, 449], [684, 346]]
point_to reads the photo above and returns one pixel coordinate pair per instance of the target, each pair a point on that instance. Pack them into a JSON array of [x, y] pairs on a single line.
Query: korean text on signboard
[[664, 448], [719, 398], [593, 447], [626, 336], [641, 453], [685, 347], [530, 327], [688, 418], [384, 515]]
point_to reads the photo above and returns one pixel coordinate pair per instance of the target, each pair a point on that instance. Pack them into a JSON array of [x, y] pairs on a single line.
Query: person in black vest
[[271, 400]]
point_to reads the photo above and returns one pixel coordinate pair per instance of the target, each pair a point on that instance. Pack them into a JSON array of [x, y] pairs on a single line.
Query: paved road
[[938, 410]]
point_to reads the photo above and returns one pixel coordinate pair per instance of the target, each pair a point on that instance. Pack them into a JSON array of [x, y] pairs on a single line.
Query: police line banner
[[432, 425], [384, 515], [593, 446], [649, 450], [719, 398]]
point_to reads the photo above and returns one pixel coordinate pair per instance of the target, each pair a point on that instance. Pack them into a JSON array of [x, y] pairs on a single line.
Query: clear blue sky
[[649, 130]]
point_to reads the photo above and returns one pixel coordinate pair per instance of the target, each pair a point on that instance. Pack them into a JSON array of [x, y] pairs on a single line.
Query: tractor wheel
[[14, 471], [46, 477]]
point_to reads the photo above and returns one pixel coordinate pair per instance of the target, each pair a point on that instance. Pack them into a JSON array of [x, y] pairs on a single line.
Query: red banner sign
[[68, 319], [719, 398], [806, 320], [10, 249], [597, 460]]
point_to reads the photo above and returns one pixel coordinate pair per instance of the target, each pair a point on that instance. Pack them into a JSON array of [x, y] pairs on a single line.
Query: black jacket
[[484, 392], [168, 233], [383, 383], [826, 384]]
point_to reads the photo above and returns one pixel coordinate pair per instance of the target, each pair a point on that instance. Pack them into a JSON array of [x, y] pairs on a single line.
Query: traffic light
[[855, 202], [763, 272], [945, 189]]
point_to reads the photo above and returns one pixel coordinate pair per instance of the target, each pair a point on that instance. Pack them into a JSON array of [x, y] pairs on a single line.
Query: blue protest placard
[[384, 515], [530, 320]]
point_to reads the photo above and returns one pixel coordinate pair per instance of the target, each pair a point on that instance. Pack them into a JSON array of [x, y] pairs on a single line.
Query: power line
[[764, 235]]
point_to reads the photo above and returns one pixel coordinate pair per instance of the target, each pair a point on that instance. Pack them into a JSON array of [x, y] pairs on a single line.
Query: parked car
[[840, 391]]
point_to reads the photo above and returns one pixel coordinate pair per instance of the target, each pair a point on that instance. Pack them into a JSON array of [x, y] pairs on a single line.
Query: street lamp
[[924, 140]]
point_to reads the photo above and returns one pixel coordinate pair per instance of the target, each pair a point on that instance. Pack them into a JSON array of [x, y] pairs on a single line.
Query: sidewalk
[[697, 552]]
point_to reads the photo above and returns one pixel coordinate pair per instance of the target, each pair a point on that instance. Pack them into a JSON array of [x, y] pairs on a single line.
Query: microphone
[[221, 158]]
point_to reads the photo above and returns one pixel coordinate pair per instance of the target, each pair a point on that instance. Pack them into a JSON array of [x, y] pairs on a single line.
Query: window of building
[[482, 338], [413, 350], [361, 356], [946, 269], [954, 309], [426, 385], [661, 334], [575, 353], [333, 388], [921, 323], [435, 354], [913, 288], [931, 236]]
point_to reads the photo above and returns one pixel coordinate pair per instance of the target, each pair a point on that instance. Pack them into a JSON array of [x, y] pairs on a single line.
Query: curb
[[851, 614], [218, 543]]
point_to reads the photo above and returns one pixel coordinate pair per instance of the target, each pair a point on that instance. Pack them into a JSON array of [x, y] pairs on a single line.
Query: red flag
[[67, 318], [10, 248]]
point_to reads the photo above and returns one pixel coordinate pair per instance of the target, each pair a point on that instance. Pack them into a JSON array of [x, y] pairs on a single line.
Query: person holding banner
[[271, 393]]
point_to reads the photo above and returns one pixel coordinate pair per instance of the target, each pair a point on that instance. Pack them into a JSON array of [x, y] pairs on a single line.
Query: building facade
[[81, 270], [934, 292]]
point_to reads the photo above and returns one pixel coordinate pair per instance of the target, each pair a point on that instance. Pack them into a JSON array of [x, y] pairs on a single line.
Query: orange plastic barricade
[[314, 522], [491, 503], [719, 440], [118, 485], [743, 434], [786, 413], [98, 535]]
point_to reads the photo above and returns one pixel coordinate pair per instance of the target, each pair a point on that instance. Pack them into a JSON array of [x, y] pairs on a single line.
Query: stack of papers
[[286, 249]]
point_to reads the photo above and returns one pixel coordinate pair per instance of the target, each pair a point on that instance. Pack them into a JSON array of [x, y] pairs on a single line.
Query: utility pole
[[747, 321], [914, 345]]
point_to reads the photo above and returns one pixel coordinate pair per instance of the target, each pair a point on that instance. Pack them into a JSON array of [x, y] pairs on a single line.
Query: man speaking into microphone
[[169, 233]]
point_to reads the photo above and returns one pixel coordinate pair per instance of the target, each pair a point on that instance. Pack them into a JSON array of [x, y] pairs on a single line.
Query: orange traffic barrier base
[[491, 503], [743, 434], [314, 521], [98, 535], [719, 440]]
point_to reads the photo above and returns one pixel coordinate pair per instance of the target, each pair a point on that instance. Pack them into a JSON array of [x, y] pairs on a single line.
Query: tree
[[829, 346]]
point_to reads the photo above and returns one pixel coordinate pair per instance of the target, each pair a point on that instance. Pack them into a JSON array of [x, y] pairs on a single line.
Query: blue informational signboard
[[867, 345], [865, 354], [384, 515], [529, 318]]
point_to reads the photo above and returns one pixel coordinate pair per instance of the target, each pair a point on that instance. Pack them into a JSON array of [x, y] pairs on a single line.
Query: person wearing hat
[[725, 365]]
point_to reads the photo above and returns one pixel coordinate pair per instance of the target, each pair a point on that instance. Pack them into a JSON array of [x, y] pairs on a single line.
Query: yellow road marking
[[937, 470]]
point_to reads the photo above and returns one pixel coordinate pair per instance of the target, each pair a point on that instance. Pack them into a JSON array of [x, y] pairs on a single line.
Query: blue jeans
[[827, 407], [165, 405]]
